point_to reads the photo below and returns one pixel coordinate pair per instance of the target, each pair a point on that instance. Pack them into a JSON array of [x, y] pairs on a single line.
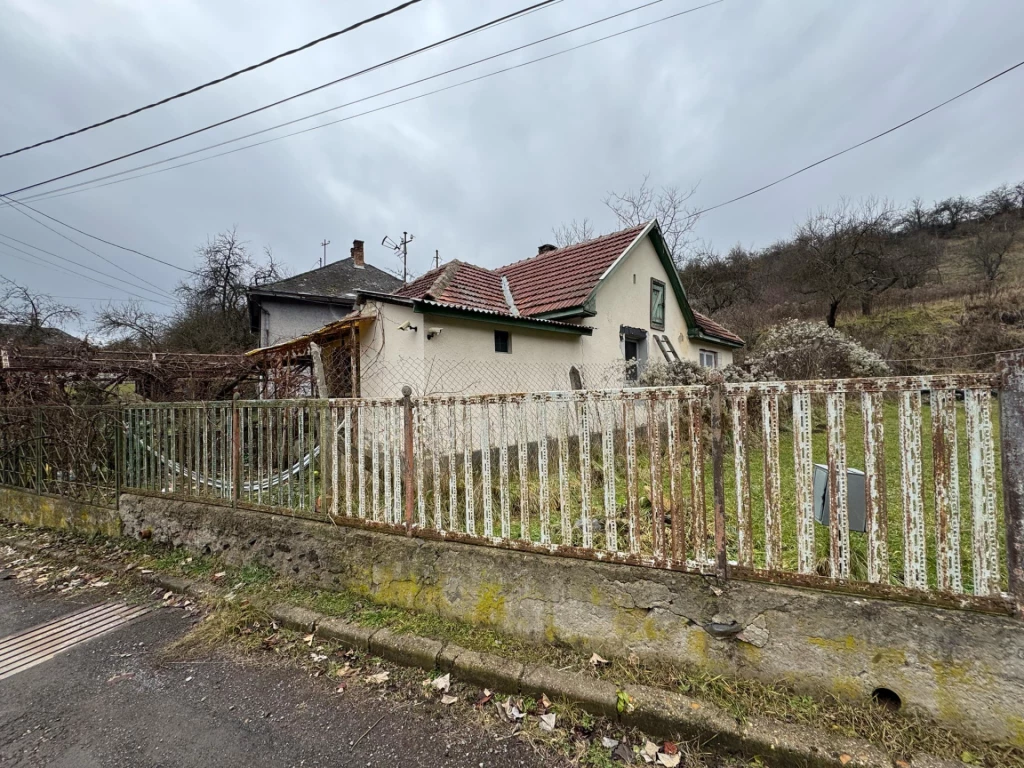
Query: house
[[29, 335], [297, 305], [589, 315]]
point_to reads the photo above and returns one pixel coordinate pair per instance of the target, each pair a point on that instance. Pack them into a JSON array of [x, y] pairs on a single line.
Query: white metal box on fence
[[855, 497]]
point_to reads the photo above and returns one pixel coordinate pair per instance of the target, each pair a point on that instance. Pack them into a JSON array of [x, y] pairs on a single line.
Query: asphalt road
[[115, 702]]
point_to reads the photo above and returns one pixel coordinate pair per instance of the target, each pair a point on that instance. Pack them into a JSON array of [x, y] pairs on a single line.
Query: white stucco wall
[[291, 319], [461, 358], [624, 298]]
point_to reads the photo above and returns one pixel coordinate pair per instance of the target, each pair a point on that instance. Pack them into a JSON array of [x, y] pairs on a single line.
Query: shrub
[[803, 349], [685, 373]]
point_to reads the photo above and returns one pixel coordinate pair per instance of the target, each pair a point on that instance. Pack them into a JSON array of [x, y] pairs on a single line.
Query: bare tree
[[669, 205], [715, 282], [953, 211], [31, 318], [997, 201], [845, 254], [212, 316], [131, 325], [988, 253], [574, 232]]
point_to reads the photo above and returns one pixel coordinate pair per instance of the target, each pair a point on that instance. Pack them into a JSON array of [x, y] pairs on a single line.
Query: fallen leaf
[[609, 743], [669, 761], [669, 748], [902, 764], [219, 575], [597, 661], [623, 754], [485, 697], [694, 705], [308, 640], [168, 595], [318, 657], [446, 699], [346, 670], [379, 678], [545, 702], [443, 683], [844, 759], [341, 688], [101, 583], [547, 722]]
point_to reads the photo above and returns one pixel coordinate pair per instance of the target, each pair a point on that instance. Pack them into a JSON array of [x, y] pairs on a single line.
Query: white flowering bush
[[804, 349], [685, 373]]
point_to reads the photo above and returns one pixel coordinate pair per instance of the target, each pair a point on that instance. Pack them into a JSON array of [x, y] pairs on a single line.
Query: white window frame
[[709, 358]]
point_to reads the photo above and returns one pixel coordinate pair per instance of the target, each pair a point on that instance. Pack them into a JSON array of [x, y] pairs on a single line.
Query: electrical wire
[[153, 286], [74, 188], [219, 80], [162, 294], [858, 144], [40, 259], [350, 76], [96, 237]]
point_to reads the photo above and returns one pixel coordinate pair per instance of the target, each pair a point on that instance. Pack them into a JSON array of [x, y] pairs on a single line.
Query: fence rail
[[886, 486]]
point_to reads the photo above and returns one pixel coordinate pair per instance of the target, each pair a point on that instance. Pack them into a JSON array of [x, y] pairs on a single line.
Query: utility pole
[[325, 243], [402, 250], [437, 258]]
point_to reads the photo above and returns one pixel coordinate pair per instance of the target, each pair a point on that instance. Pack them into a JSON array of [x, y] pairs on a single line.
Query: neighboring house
[[297, 305], [34, 335], [585, 316]]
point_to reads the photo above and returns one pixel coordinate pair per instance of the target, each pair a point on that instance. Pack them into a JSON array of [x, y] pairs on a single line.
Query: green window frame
[[657, 305]]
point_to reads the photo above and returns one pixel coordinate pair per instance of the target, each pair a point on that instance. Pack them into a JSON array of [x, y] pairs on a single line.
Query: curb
[[656, 711]]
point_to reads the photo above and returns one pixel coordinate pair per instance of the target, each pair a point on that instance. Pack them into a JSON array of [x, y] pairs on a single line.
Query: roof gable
[[566, 277], [340, 279]]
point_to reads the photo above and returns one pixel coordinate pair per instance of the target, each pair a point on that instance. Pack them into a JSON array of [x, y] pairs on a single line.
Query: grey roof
[[16, 333], [340, 279]]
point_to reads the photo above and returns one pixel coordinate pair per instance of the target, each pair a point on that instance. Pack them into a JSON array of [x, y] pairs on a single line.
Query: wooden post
[[39, 452], [407, 465], [236, 451], [718, 475], [119, 454], [1011, 439]]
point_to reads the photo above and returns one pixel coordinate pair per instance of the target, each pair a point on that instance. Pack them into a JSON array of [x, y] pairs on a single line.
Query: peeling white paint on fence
[[982, 488], [915, 570], [803, 468]]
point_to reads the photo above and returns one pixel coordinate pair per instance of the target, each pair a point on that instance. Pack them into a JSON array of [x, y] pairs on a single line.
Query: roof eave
[[696, 333], [540, 324]]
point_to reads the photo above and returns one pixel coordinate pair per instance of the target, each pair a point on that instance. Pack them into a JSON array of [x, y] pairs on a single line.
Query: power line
[[219, 80], [287, 98], [76, 187], [858, 144], [40, 259], [94, 253], [96, 237], [76, 263]]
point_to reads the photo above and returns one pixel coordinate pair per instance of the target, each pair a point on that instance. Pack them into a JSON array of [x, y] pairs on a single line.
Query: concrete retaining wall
[[965, 669], [55, 512]]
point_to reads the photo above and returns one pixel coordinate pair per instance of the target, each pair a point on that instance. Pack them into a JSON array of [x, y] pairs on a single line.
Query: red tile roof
[[710, 328], [460, 284], [560, 279], [565, 277]]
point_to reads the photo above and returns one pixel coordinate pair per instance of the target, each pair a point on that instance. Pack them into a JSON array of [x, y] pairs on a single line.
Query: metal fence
[[72, 452], [888, 487]]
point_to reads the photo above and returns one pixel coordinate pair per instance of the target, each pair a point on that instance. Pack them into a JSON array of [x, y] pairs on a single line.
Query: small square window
[[708, 358], [502, 342], [657, 305]]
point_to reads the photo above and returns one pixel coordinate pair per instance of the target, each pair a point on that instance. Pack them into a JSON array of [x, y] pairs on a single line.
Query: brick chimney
[[357, 254], [546, 248]]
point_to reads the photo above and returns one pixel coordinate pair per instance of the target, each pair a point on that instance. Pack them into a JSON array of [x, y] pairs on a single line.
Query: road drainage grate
[[24, 650]]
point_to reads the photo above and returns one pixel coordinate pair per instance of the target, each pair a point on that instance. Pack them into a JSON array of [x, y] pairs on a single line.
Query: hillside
[[927, 290]]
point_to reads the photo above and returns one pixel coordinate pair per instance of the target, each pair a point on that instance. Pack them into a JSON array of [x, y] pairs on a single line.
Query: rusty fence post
[[407, 465], [236, 451], [1011, 443], [718, 474], [119, 454], [39, 452]]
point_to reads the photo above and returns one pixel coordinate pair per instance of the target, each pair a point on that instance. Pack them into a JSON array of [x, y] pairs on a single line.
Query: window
[[708, 358], [632, 349], [264, 328], [657, 305], [502, 342]]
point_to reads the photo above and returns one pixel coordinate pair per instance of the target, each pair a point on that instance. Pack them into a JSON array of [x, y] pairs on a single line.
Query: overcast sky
[[728, 97]]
